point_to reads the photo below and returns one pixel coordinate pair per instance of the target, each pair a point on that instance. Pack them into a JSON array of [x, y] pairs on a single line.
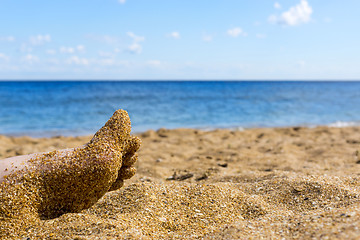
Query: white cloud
[[207, 38], [235, 32], [51, 51], [175, 35], [29, 58], [7, 38], [154, 63], [4, 57], [296, 15], [277, 5], [135, 37], [67, 50], [122, 1], [25, 48], [260, 35], [78, 61], [40, 39], [80, 48], [135, 48]]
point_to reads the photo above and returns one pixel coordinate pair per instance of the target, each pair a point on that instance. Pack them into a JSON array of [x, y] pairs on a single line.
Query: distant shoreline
[[204, 129]]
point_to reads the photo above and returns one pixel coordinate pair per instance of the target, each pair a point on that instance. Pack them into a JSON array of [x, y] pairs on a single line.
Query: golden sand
[[286, 183], [59, 182]]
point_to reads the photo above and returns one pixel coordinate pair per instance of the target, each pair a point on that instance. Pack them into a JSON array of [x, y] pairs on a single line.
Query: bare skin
[[46, 185], [12, 164]]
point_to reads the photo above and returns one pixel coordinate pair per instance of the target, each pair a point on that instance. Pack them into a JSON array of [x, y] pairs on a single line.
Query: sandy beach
[[272, 183]]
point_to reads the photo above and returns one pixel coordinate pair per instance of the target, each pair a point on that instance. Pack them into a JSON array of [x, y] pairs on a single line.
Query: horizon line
[[181, 80]]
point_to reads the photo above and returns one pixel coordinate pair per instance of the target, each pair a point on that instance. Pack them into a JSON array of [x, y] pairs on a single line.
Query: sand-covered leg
[[71, 180]]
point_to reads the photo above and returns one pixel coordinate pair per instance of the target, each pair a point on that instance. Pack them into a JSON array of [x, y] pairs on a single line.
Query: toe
[[133, 144], [127, 162], [116, 129], [119, 122], [130, 150], [126, 172]]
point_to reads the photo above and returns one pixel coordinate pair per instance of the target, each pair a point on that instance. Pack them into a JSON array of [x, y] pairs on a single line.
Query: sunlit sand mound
[[272, 207], [259, 183], [161, 211]]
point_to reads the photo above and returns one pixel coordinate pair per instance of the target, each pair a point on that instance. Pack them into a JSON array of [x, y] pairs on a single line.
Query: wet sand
[[222, 184]]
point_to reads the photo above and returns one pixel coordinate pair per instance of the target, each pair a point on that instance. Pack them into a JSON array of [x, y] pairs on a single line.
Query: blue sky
[[180, 39]]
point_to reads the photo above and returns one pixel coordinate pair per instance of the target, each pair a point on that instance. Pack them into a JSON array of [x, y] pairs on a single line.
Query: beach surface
[[270, 183]]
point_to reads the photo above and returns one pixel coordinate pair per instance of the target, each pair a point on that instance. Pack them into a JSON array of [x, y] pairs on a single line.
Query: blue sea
[[51, 108]]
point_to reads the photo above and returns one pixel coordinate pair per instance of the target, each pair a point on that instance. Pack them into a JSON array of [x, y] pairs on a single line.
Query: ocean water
[[81, 107]]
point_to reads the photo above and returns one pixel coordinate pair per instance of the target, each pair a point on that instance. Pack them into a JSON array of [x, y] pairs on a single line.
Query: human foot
[[50, 184]]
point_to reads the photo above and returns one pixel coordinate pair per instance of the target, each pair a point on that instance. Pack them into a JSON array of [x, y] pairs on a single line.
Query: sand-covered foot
[[50, 184]]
